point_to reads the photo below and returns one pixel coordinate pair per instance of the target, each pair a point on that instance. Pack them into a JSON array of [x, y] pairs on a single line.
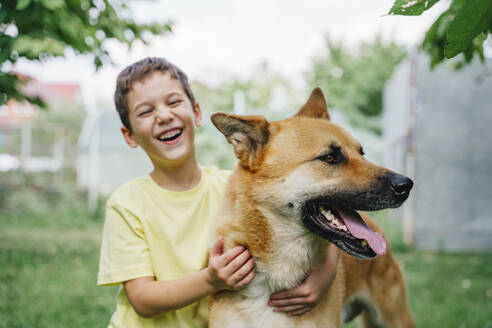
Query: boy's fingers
[[218, 247], [291, 308], [246, 280], [291, 293], [299, 312], [236, 263], [288, 302], [243, 271], [231, 255]]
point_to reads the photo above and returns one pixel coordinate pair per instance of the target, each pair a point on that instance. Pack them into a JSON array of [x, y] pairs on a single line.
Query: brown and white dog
[[295, 190]]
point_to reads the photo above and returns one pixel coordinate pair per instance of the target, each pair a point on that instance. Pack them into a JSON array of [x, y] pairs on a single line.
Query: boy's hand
[[304, 297], [231, 270]]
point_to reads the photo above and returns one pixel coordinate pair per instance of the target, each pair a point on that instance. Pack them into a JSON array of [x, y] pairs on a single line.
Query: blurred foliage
[[40, 29], [353, 79], [51, 196], [461, 29], [263, 90]]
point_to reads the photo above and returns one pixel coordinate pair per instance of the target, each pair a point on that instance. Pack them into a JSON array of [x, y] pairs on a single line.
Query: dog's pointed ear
[[247, 134], [315, 107]]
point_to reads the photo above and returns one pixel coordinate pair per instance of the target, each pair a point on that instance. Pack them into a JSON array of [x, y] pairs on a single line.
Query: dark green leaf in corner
[[474, 17], [411, 7]]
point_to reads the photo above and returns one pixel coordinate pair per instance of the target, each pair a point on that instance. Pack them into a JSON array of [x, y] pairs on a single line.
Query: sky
[[214, 38]]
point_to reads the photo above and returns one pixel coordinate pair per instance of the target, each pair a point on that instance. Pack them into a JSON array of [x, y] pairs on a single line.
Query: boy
[[157, 227]]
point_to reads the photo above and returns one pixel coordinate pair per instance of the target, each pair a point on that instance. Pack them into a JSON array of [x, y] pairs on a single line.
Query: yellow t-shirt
[[151, 231]]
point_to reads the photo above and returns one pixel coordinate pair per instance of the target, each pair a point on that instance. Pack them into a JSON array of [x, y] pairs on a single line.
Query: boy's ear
[[198, 114], [247, 134], [315, 107], [128, 136]]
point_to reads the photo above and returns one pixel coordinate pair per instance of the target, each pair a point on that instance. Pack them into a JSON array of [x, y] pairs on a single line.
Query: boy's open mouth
[[170, 135], [345, 228]]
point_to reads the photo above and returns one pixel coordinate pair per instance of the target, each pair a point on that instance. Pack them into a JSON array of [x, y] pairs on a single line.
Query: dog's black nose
[[400, 184]]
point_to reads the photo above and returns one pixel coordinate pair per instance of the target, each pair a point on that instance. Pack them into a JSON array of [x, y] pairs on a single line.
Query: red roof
[[14, 112], [52, 92]]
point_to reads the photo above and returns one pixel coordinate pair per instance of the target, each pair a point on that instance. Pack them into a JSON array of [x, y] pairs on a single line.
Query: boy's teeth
[[169, 134]]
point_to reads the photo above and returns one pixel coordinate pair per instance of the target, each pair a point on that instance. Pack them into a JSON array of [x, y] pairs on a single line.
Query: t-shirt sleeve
[[124, 249]]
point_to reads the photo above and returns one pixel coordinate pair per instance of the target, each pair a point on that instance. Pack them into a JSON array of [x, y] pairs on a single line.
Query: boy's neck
[[178, 178]]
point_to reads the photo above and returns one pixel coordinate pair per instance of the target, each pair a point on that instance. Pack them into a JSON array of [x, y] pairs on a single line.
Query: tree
[[40, 29], [354, 80], [462, 28], [260, 91]]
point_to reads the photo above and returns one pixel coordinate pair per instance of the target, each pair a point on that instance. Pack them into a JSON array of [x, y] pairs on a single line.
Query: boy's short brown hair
[[138, 72]]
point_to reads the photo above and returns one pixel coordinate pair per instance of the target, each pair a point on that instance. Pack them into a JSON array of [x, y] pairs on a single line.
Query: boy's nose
[[164, 115]]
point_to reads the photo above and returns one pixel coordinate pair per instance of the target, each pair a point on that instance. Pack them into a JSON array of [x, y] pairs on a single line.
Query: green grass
[[49, 252], [449, 290], [49, 280], [48, 277]]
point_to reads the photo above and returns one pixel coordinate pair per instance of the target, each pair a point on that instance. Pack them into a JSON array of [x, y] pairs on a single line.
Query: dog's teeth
[[327, 214], [344, 228], [335, 222], [363, 242]]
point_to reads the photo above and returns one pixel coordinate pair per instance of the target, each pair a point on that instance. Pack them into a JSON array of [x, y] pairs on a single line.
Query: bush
[[41, 199]]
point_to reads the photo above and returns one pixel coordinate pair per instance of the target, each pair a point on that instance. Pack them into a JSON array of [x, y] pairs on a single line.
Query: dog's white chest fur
[[250, 309], [251, 303]]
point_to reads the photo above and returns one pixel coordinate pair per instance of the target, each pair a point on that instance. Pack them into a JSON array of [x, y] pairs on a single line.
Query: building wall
[[452, 204], [454, 157]]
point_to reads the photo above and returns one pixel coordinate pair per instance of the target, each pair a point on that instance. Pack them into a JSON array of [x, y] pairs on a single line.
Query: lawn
[[49, 255], [48, 275]]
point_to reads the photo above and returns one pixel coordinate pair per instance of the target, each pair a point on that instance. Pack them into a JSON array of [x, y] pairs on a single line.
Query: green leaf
[[53, 4], [31, 47], [22, 4], [478, 45], [435, 39], [474, 17], [47, 27], [411, 7]]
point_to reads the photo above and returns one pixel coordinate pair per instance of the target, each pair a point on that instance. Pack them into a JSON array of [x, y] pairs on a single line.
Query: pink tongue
[[359, 229]]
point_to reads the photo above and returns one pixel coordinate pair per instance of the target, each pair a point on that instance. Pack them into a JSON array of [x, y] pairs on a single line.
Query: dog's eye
[[331, 158]]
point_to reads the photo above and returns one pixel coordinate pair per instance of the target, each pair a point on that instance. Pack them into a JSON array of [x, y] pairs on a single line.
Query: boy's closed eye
[[174, 102], [145, 111]]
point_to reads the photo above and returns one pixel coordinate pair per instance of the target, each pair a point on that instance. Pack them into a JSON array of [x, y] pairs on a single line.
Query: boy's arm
[[304, 297], [231, 270]]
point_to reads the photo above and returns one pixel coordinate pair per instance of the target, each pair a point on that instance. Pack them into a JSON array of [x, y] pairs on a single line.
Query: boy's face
[[162, 119]]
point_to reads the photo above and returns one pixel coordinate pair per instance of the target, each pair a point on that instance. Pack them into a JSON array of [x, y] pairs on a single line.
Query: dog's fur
[[283, 167]]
